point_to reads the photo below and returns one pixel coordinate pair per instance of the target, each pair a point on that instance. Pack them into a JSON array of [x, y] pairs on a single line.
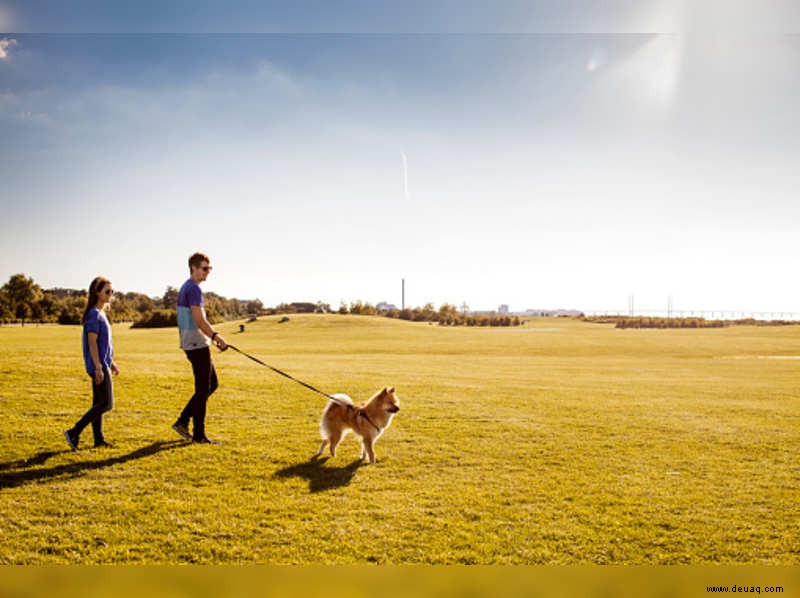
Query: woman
[[98, 355]]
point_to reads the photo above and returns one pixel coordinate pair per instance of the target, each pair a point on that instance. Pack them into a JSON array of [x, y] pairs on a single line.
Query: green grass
[[559, 442]]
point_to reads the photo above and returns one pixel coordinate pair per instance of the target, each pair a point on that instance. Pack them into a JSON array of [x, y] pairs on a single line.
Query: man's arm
[[205, 327]]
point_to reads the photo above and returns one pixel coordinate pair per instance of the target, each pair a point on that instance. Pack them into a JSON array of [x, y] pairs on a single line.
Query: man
[[196, 335]]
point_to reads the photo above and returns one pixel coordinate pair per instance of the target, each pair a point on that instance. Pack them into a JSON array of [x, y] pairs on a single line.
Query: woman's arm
[[95, 353]]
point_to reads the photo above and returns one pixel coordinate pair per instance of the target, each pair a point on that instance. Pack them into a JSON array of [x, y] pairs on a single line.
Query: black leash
[[285, 375], [308, 386]]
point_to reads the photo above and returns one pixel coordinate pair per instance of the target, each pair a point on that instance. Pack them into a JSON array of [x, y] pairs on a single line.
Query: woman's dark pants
[[102, 401]]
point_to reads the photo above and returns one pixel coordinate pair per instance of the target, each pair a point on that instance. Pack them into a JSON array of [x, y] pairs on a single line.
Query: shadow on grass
[[37, 459], [73, 470], [319, 477]]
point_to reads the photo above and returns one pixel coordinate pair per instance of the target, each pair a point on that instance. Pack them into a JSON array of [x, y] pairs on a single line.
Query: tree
[[122, 310], [23, 312], [48, 307], [6, 314], [428, 313], [142, 303], [215, 307], [170, 299], [362, 309], [22, 293], [448, 314], [254, 307]]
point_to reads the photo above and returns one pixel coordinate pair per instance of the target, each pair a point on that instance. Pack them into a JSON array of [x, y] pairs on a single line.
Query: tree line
[[648, 322], [446, 315], [22, 300]]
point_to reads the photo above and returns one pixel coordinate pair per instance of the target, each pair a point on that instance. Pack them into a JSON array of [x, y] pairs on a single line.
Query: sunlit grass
[[558, 442]]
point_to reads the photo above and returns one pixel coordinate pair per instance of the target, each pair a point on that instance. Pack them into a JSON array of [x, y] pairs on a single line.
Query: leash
[[308, 386], [285, 375]]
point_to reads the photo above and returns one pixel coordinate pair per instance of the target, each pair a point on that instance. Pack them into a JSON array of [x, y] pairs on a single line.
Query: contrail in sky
[[405, 173]]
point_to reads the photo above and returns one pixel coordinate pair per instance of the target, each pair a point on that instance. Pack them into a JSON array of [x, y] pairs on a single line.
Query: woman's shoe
[[204, 440], [72, 440]]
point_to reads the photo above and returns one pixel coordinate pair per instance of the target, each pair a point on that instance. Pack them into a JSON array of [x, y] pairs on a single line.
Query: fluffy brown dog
[[368, 420]]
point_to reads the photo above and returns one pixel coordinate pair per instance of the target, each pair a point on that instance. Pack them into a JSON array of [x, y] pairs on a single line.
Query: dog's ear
[[390, 389]]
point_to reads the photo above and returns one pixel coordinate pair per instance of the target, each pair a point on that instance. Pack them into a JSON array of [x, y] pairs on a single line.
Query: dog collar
[[363, 414]]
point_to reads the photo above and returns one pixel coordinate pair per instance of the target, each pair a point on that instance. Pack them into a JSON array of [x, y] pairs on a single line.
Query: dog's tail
[[342, 399]]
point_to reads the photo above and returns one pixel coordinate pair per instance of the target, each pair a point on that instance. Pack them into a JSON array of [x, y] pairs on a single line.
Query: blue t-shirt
[[97, 322], [191, 336]]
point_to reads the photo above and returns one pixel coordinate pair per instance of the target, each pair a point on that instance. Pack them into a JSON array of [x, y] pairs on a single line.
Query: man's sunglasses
[[207, 268]]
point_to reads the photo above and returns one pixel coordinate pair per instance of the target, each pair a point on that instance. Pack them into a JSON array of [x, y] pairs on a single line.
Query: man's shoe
[[103, 444], [72, 440], [204, 440], [182, 430]]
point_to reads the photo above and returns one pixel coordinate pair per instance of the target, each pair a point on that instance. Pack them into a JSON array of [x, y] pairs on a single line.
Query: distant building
[[551, 313], [503, 310], [384, 306]]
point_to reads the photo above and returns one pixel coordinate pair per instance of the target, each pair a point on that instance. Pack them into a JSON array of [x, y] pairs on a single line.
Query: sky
[[529, 156]]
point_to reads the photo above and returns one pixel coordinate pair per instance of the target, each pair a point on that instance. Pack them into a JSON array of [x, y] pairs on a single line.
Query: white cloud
[[5, 44]]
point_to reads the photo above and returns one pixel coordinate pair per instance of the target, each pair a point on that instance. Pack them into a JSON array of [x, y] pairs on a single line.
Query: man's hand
[[220, 342], [114, 369], [99, 376]]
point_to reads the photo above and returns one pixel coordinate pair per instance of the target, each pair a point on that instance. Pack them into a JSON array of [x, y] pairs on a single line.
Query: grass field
[[558, 442]]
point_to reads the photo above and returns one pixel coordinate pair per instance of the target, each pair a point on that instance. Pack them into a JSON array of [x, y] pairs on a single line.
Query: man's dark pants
[[205, 383]]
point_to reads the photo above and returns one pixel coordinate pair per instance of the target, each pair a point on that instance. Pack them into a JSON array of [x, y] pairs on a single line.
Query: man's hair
[[197, 259]]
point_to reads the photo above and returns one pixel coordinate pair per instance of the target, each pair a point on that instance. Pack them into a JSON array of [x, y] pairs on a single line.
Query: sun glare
[[653, 72]]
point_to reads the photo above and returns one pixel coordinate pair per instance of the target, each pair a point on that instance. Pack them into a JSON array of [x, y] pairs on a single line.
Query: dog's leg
[[368, 447], [322, 448], [334, 440]]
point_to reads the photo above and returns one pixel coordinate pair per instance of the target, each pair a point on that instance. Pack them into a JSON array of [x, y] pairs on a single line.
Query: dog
[[368, 420]]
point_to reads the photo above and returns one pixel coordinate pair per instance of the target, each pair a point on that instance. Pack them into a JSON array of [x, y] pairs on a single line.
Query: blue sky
[[562, 168]]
